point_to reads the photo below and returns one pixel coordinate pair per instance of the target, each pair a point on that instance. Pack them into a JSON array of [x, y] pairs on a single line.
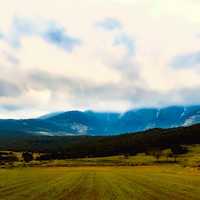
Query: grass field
[[139, 177], [99, 183]]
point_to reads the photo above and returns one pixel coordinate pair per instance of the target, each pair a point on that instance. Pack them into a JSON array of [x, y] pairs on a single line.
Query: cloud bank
[[103, 55]]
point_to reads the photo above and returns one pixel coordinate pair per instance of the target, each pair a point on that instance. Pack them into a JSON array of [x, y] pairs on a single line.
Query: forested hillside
[[91, 146]]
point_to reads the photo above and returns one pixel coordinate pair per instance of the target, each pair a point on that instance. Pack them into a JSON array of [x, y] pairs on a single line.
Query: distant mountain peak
[[90, 122]]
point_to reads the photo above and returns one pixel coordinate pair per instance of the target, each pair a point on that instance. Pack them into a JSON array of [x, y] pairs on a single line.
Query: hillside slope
[[82, 146], [96, 123]]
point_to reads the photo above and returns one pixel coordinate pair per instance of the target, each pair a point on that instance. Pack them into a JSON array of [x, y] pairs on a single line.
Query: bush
[[178, 150], [156, 152], [7, 157], [168, 153], [27, 156]]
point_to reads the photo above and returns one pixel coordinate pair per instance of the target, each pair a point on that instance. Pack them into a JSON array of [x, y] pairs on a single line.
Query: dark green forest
[[94, 146]]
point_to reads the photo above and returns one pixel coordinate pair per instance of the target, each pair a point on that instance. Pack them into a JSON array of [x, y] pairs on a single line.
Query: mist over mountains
[[105, 123]]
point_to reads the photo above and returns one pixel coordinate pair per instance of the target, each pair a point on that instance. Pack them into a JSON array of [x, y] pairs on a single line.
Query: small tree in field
[[126, 156], [168, 153], [157, 153], [27, 156], [177, 150]]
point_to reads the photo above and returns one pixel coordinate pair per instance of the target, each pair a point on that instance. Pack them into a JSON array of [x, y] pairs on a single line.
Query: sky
[[102, 55]]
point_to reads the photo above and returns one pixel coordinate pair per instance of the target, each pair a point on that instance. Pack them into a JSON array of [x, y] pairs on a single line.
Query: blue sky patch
[[125, 40], [109, 24], [186, 60], [49, 31], [61, 39]]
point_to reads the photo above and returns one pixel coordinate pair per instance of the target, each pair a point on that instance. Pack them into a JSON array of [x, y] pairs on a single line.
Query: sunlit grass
[[99, 183]]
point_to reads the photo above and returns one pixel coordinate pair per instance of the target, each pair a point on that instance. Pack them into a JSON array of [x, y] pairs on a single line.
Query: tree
[[27, 156], [8, 157], [168, 153], [126, 155], [177, 150], [157, 153]]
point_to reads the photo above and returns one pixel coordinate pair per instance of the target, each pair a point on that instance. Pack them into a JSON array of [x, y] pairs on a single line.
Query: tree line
[[59, 147]]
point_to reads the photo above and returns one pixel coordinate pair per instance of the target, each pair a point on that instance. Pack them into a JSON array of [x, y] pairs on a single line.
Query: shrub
[[178, 150], [27, 156]]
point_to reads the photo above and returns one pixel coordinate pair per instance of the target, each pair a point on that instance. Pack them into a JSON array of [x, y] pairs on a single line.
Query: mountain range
[[104, 123]]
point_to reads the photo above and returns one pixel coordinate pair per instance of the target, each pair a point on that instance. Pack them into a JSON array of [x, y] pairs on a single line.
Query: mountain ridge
[[105, 123]]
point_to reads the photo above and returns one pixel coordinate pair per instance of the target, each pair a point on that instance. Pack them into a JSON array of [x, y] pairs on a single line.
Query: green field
[[88, 183], [141, 177]]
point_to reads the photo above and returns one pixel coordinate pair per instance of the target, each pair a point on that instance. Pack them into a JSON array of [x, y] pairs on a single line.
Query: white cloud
[[132, 61]]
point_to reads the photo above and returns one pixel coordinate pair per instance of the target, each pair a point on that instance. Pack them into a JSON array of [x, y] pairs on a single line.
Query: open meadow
[[123, 177], [99, 183]]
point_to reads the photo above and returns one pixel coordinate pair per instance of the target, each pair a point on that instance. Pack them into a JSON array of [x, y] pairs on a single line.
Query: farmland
[[147, 182]]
